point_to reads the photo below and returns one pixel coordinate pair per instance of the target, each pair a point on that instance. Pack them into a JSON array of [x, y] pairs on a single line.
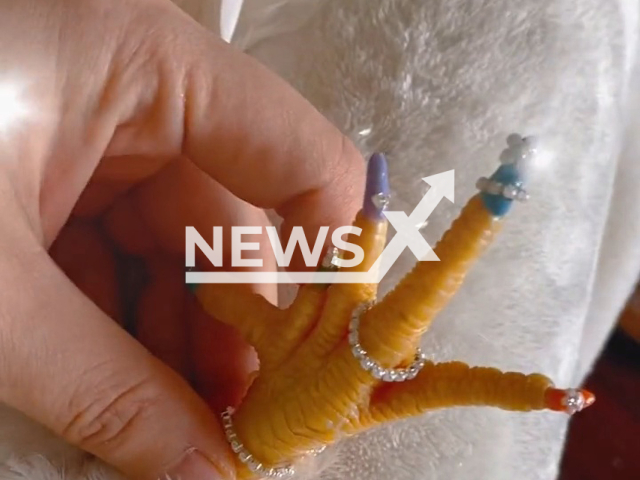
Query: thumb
[[68, 366]]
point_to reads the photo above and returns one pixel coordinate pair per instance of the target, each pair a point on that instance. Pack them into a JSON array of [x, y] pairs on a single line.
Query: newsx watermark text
[[407, 235]]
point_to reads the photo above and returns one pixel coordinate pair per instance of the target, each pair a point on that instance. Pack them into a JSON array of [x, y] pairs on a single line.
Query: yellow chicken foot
[[335, 363]]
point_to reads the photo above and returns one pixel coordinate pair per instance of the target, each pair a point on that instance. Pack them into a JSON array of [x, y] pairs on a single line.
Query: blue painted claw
[[507, 183], [376, 195]]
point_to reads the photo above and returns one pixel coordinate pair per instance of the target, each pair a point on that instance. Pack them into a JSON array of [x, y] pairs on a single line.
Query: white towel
[[438, 85]]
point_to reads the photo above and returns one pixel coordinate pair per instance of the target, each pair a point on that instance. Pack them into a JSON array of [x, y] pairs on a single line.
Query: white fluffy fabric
[[437, 85]]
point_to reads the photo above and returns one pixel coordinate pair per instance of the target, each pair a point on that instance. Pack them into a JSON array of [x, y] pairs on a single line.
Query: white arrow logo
[[407, 236], [407, 233]]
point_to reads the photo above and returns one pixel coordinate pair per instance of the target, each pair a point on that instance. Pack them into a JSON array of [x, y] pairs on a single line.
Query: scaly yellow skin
[[427, 289], [309, 386], [311, 391]]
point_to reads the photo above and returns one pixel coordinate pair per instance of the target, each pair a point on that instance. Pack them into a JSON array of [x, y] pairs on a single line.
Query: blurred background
[[604, 441]]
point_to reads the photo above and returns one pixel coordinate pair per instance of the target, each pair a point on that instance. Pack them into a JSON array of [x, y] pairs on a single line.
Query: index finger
[[260, 138], [248, 129], [270, 147]]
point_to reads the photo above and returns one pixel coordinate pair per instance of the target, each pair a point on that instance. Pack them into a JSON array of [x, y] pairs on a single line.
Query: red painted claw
[[571, 400]]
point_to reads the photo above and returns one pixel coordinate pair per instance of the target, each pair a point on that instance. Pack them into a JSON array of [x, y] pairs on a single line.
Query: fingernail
[[196, 466], [376, 195]]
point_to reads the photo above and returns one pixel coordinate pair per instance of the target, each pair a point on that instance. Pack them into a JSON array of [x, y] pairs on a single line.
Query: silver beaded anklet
[[245, 457], [373, 367], [511, 192]]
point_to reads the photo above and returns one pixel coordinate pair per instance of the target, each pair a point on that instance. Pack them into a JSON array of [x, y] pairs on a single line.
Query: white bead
[[366, 363], [510, 192], [389, 376], [514, 140], [508, 156], [357, 351], [254, 466], [573, 400]]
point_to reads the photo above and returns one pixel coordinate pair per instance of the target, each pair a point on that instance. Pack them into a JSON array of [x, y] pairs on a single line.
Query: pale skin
[[137, 123]]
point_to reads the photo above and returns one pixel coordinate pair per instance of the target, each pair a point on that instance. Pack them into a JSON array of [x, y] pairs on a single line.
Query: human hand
[[121, 123]]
